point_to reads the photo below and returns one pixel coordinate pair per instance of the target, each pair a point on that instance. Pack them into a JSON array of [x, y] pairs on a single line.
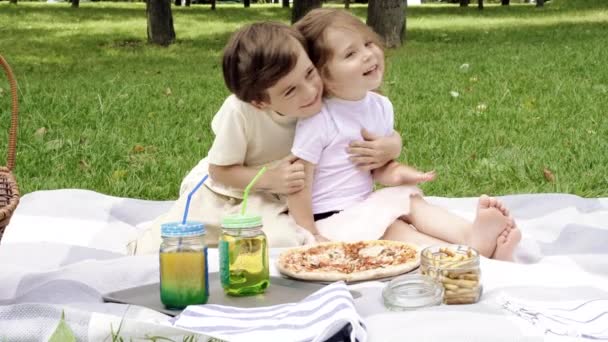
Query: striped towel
[[582, 319], [316, 318]]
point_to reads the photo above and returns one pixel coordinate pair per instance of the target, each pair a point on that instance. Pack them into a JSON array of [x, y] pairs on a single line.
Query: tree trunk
[[188, 2], [347, 4], [480, 4], [387, 18], [247, 3], [505, 2], [540, 3], [464, 3], [14, 2], [285, 3], [160, 22], [213, 5], [75, 3], [301, 7], [178, 2], [275, 1]]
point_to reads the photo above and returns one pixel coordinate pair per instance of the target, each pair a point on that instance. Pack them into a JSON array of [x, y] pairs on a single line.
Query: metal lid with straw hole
[[238, 221], [178, 229]]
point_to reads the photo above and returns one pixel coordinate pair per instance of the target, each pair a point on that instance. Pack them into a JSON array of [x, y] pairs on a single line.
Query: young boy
[[273, 83]]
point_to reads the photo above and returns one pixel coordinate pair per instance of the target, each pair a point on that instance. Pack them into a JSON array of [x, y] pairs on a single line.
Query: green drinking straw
[[249, 186]]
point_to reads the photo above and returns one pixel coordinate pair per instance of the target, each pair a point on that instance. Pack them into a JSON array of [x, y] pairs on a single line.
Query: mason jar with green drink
[[243, 256], [244, 251]]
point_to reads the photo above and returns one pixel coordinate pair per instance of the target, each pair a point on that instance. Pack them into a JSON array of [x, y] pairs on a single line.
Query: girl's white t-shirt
[[323, 139]]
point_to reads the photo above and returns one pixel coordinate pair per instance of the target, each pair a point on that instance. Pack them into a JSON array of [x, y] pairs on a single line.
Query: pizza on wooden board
[[349, 261]]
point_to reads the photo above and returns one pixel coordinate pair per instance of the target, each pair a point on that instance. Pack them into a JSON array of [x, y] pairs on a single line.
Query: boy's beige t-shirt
[[248, 136]]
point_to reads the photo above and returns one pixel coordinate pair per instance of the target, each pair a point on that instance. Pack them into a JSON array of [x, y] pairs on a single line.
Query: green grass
[[111, 125]]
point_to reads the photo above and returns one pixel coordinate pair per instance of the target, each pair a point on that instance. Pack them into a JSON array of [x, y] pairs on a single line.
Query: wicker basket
[[9, 192]]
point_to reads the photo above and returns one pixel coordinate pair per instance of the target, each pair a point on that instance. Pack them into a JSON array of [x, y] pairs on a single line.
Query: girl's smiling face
[[356, 65]]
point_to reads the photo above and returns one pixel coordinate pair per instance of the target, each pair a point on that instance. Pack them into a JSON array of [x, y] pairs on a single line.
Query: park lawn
[[103, 110]]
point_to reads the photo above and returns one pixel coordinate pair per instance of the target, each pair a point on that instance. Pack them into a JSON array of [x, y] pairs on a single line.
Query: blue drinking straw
[[190, 198]]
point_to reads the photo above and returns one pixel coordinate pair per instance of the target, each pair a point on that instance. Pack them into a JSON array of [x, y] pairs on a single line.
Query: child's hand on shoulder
[[287, 177]]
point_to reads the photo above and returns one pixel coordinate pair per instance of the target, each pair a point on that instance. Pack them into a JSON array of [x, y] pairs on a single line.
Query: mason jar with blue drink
[[183, 265]]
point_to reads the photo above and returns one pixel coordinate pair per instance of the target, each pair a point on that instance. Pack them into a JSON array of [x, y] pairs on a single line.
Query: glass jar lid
[[238, 221], [178, 229], [412, 291]]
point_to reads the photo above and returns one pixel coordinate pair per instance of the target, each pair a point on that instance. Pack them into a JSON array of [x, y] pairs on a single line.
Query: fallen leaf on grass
[[549, 176], [84, 165], [464, 67], [40, 133], [2, 92], [138, 149], [119, 174], [482, 107], [454, 93], [54, 145], [602, 88], [530, 103], [168, 92]]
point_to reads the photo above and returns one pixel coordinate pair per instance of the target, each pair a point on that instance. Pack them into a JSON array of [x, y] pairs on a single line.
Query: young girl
[[338, 201]]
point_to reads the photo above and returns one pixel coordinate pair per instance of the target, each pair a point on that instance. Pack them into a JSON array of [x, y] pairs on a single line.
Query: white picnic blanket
[[64, 248]]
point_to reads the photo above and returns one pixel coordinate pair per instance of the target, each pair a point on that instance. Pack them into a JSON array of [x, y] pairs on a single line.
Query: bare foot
[[506, 242], [489, 224]]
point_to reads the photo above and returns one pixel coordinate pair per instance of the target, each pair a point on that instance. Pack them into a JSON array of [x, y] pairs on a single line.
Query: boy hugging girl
[[304, 103]]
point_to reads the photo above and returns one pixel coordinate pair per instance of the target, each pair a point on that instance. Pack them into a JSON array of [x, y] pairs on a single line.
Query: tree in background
[[183, 2], [347, 4], [14, 2], [286, 3], [387, 18], [213, 5], [505, 2], [465, 3], [301, 7], [160, 22], [75, 3], [540, 3], [247, 3]]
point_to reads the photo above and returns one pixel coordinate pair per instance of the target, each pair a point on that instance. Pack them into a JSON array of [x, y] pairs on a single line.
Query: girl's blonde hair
[[314, 25]]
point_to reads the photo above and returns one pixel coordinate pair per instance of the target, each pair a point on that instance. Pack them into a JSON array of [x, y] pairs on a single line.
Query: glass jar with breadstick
[[456, 267]]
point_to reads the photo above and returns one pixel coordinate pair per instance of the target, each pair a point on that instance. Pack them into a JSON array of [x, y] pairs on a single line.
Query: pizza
[[349, 261]]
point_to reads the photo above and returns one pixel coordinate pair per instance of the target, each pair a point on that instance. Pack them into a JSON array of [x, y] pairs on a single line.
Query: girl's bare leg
[[402, 231], [482, 234]]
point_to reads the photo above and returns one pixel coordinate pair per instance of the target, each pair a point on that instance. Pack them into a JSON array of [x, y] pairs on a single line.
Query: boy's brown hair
[[257, 56], [314, 25]]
